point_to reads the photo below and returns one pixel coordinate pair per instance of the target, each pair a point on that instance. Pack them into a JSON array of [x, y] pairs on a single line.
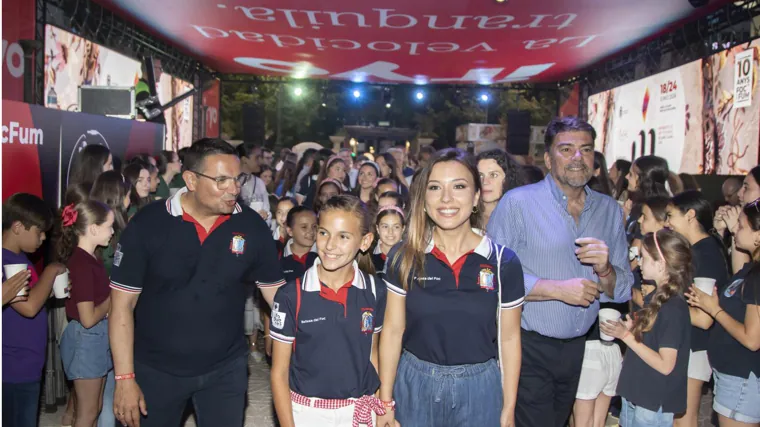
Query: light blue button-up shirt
[[534, 222]]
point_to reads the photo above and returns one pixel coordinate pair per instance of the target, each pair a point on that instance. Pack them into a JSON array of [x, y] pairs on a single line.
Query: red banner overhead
[[18, 24], [427, 41]]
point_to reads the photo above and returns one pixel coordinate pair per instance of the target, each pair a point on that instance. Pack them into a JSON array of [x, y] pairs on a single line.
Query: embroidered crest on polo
[[368, 325], [485, 279], [237, 246]]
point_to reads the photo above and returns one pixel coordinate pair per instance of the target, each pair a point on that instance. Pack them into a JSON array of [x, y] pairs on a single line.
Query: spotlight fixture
[[357, 93], [298, 91], [324, 105], [484, 97], [419, 95], [388, 105]]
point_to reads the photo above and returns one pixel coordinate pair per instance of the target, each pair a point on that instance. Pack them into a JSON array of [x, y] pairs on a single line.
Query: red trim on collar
[[301, 259], [456, 268], [383, 256], [202, 233], [340, 297]]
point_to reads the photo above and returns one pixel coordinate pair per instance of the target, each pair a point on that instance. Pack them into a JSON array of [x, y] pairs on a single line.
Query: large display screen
[[703, 117], [72, 61]]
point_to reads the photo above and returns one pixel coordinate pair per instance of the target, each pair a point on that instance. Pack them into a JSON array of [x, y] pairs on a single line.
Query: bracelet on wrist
[[606, 273], [388, 404], [716, 314], [128, 376]]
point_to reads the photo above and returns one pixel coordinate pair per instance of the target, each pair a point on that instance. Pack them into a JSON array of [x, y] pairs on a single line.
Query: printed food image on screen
[[72, 61], [703, 117]]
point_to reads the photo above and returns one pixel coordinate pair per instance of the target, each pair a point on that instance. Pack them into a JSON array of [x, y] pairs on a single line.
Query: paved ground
[[259, 412]]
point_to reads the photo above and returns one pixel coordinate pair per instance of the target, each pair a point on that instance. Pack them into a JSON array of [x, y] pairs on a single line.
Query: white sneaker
[[257, 356]]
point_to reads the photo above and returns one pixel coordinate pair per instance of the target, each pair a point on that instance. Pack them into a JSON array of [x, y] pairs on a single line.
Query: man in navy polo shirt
[[178, 292]]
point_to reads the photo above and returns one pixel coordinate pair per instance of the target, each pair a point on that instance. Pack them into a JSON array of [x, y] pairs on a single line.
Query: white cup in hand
[[606, 314], [13, 269], [61, 284], [705, 284]]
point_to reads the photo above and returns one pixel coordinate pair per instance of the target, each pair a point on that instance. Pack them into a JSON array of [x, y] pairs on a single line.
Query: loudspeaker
[[107, 100], [518, 132], [253, 123]]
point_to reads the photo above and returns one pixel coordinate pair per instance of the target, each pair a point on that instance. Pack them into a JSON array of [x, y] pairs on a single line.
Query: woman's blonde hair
[[409, 261]]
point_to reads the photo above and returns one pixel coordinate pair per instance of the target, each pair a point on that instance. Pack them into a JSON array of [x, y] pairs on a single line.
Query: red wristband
[[125, 376], [389, 404], [606, 273]]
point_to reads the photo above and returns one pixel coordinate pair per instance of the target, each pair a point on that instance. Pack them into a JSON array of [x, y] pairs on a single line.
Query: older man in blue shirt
[[571, 242]]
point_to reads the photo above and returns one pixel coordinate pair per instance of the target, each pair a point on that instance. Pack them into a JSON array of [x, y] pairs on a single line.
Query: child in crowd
[[325, 190], [385, 185], [26, 219], [369, 172], [391, 198], [280, 227], [653, 381], [653, 218], [326, 327], [85, 351], [299, 253], [732, 315], [389, 224]]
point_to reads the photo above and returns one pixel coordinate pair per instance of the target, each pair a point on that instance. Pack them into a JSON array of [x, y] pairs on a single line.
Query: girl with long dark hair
[[138, 176], [113, 190], [691, 215], [499, 173], [442, 335], [732, 315], [727, 217], [369, 173], [89, 163]]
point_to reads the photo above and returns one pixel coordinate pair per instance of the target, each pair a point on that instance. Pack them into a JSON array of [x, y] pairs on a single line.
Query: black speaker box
[[518, 132], [253, 123]]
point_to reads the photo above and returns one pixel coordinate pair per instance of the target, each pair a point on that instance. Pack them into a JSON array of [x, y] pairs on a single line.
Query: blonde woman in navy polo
[[453, 308], [326, 325]]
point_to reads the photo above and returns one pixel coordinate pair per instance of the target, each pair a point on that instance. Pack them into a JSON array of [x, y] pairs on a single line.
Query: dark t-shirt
[[727, 355], [89, 282], [641, 384], [708, 261], [308, 188]]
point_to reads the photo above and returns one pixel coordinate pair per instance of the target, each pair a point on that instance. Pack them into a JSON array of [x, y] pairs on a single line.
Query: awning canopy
[[403, 41]]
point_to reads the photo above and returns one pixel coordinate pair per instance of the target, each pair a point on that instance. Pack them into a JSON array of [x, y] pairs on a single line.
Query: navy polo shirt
[[293, 266], [192, 284], [378, 259], [332, 334], [451, 308]]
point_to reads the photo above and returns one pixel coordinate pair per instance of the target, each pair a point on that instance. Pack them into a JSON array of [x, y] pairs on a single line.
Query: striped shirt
[[534, 222]]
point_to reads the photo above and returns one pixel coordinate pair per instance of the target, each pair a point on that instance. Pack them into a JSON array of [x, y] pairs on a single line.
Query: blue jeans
[[636, 416], [21, 402], [107, 418], [427, 394]]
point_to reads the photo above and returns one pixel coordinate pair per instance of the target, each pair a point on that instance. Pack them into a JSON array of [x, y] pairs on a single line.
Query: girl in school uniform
[[654, 214], [453, 308], [326, 326], [389, 225], [326, 189], [732, 313], [654, 376], [300, 252], [369, 172], [85, 351], [691, 215], [280, 227]]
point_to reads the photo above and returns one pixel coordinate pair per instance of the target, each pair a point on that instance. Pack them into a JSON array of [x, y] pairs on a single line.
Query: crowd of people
[[443, 289]]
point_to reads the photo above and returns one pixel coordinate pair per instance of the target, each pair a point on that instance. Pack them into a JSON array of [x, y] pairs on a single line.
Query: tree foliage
[[324, 108]]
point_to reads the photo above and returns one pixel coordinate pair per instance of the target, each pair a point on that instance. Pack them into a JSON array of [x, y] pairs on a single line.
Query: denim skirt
[[427, 394], [86, 353]]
